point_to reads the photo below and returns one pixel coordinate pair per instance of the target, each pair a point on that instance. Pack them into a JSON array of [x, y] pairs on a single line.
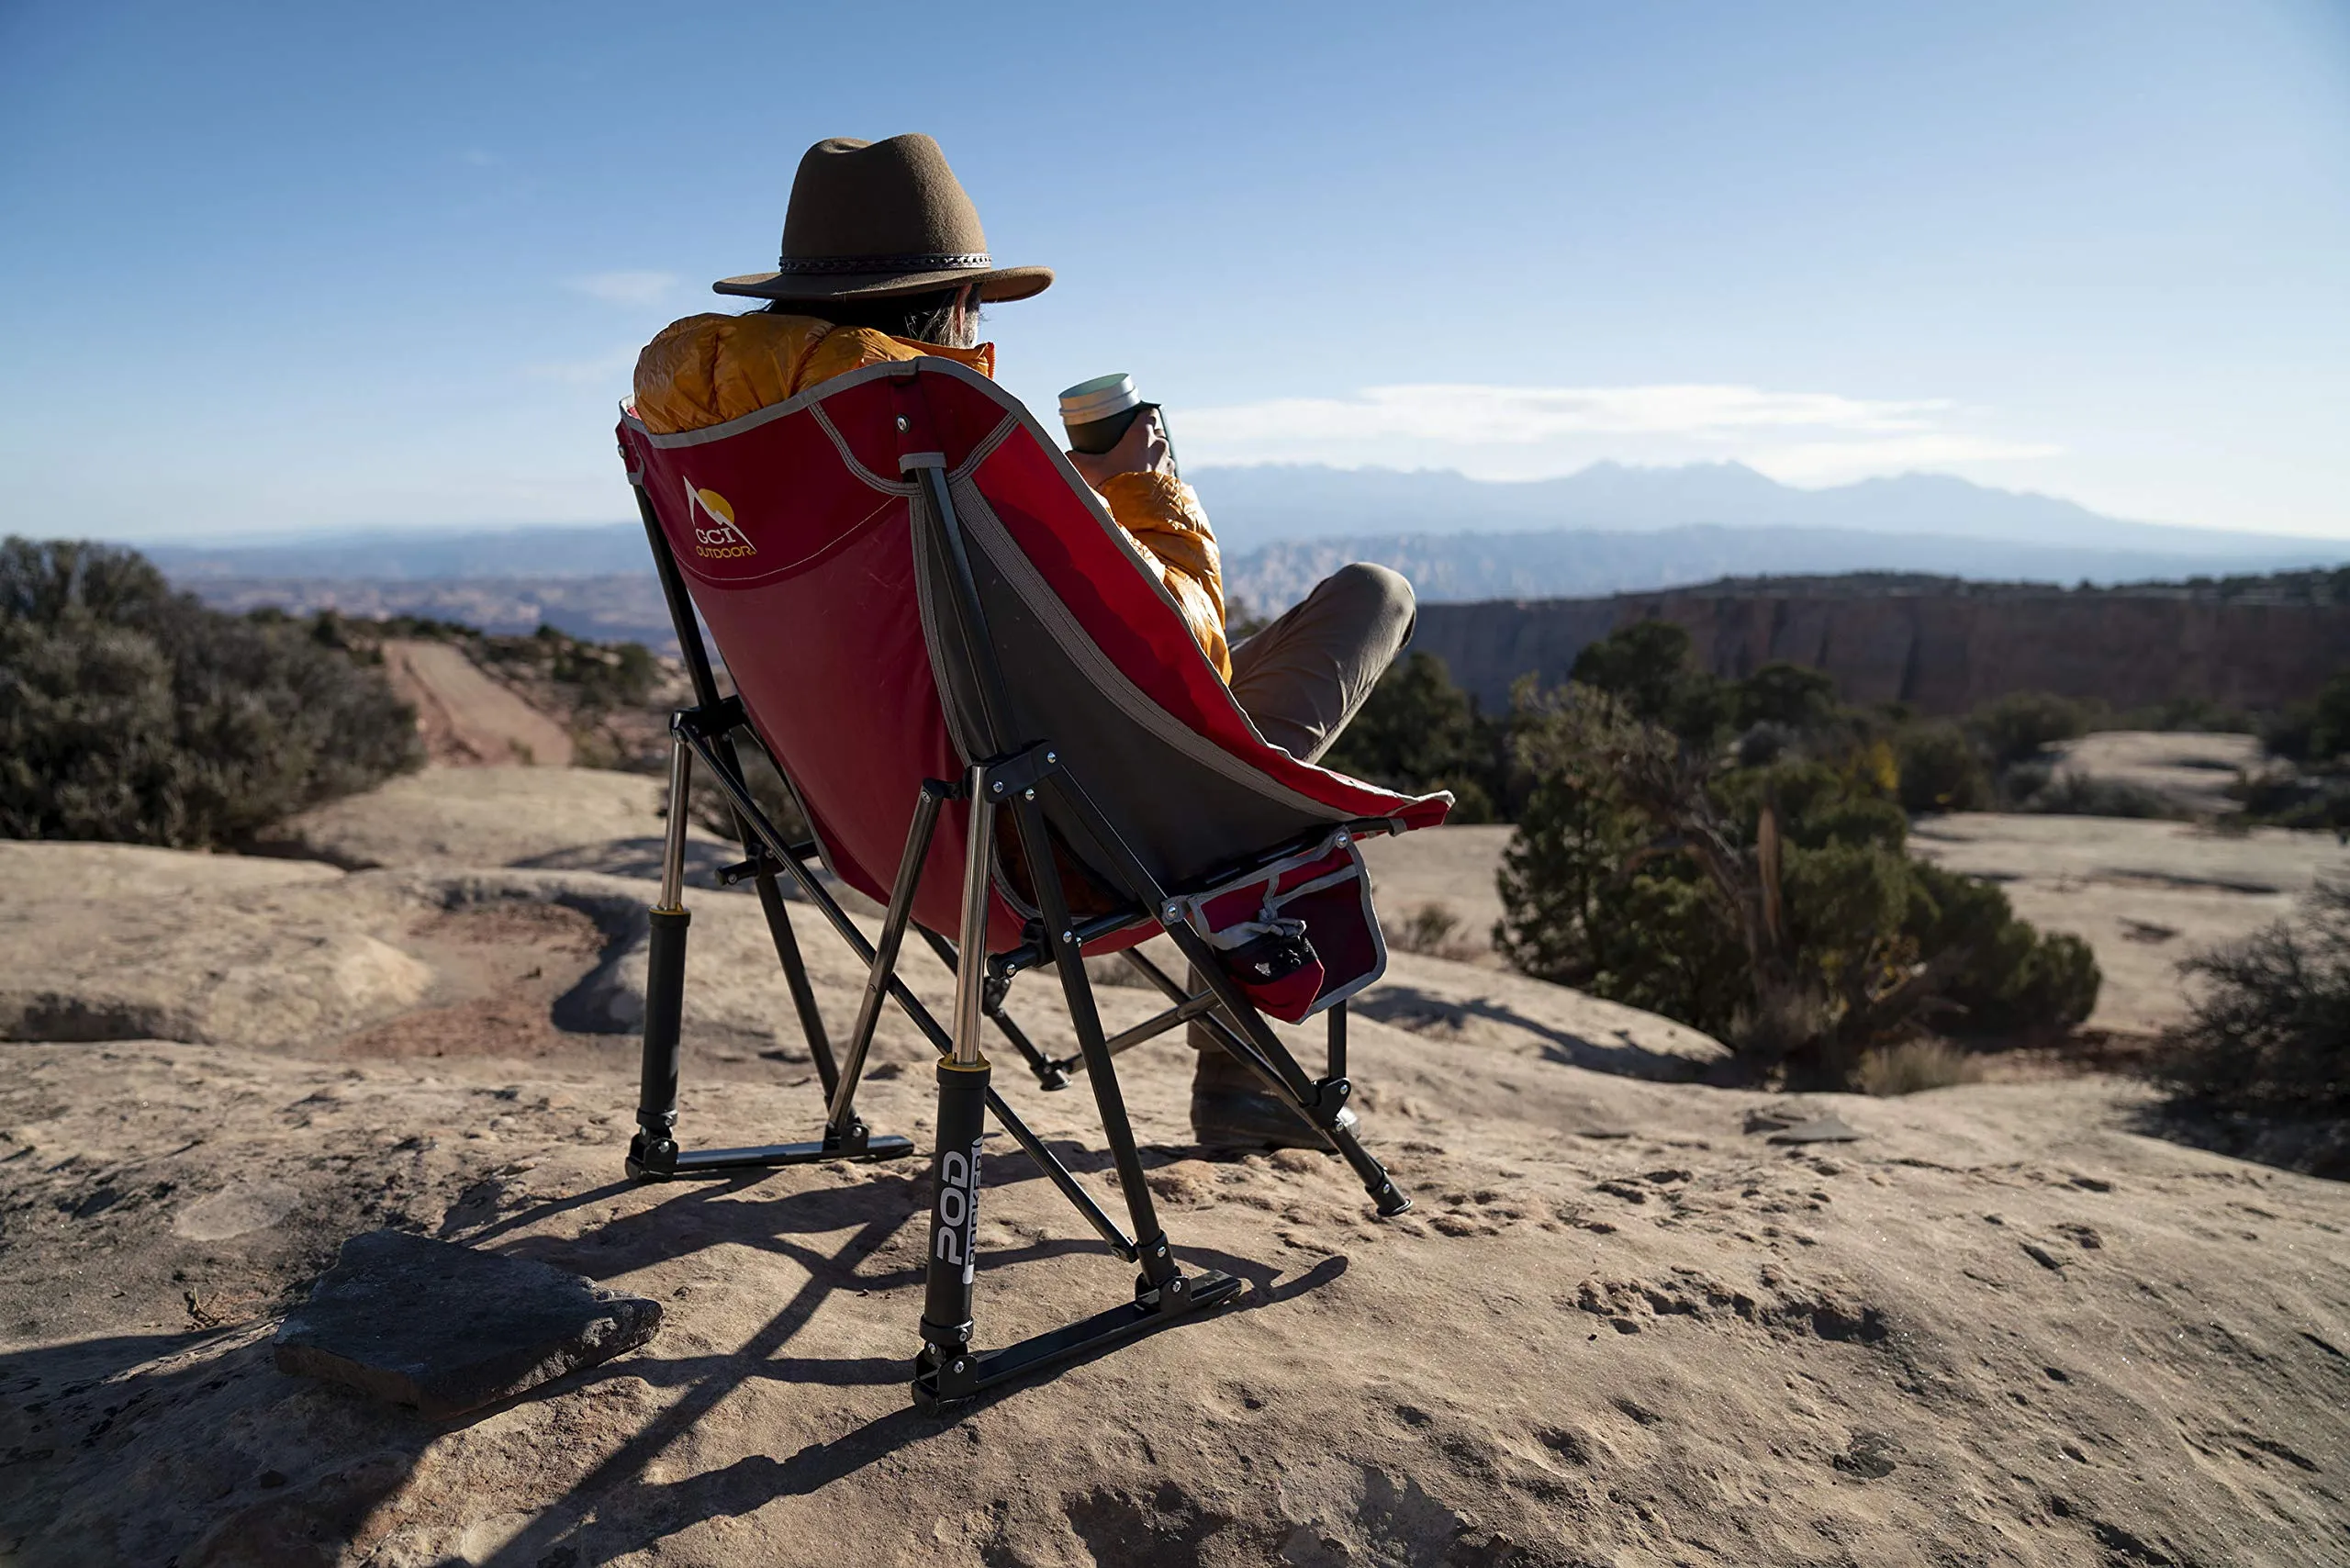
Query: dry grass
[[1914, 1065], [1434, 928]]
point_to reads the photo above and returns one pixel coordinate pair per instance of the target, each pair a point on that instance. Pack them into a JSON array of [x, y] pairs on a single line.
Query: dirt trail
[[469, 719]]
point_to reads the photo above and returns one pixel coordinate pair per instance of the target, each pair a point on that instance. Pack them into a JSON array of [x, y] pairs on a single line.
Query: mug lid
[[1099, 398]]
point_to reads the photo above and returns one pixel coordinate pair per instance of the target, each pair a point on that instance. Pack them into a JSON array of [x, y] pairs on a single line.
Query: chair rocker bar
[[974, 1372]]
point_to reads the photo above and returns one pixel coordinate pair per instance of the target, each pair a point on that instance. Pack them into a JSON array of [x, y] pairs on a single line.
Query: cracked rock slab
[[446, 1329]]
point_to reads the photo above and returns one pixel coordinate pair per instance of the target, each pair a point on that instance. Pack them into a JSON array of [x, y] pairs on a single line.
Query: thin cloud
[[624, 287], [1825, 462], [1527, 432], [1506, 415]]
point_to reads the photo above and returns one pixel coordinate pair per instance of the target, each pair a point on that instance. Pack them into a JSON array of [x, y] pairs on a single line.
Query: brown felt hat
[[873, 219]]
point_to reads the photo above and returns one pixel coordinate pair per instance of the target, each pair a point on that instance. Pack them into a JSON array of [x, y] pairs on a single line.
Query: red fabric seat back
[[792, 529]]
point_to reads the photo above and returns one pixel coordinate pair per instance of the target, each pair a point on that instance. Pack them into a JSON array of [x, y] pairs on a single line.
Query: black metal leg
[[948, 1369], [795, 975], [653, 1153], [1062, 1177], [946, 1360], [1116, 1130], [655, 1148], [1323, 1104], [842, 1122]]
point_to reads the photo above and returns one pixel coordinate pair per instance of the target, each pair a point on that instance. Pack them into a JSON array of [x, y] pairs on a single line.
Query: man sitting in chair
[[883, 259]]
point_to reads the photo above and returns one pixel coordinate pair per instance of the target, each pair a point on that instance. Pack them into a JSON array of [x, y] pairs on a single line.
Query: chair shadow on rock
[[1409, 1008], [615, 1494]]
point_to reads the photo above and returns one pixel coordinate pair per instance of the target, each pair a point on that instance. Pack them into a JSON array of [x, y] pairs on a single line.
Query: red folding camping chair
[[931, 625]]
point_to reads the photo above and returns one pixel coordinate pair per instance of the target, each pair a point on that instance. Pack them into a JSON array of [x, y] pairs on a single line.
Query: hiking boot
[[1232, 1109]]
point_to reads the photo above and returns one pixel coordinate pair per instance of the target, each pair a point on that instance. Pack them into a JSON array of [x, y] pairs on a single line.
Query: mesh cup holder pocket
[[1298, 935]]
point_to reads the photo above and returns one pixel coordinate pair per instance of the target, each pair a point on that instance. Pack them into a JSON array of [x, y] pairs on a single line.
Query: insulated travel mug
[[1097, 413]]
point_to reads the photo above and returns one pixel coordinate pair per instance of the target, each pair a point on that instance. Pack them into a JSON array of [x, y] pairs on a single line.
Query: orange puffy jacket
[[706, 370]]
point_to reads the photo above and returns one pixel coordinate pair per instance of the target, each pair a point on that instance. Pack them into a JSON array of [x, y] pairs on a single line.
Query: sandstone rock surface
[[1621, 1327], [2145, 894], [480, 816], [2191, 772]]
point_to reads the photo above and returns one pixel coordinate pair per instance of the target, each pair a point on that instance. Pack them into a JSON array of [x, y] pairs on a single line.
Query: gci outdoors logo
[[721, 540]]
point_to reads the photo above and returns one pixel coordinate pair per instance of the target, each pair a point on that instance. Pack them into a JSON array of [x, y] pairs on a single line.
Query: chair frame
[[1009, 777]]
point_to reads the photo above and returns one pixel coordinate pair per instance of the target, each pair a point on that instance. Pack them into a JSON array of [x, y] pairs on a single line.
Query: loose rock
[[447, 1329]]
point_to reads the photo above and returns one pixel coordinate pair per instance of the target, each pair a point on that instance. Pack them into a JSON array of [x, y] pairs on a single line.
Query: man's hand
[[1142, 450]]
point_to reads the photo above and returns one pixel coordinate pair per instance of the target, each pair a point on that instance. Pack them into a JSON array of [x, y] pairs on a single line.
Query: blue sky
[[273, 269]]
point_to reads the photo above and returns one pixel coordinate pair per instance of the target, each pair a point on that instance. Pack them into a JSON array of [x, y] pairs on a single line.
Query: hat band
[[937, 262]]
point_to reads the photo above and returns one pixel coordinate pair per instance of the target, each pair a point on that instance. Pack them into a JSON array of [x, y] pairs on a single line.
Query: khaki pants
[[1302, 678]]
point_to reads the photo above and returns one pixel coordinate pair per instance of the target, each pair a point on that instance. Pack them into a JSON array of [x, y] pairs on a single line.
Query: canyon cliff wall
[[1943, 649]]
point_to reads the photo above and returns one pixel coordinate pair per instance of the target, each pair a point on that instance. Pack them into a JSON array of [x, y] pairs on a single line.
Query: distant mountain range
[[1260, 506], [1565, 564], [1707, 518], [1608, 529], [384, 556]]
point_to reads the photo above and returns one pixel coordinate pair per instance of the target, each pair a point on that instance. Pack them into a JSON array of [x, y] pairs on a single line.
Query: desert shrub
[[2016, 784], [2330, 719], [2014, 977], [2199, 715], [1434, 928], [713, 810], [1650, 668], [2286, 799], [2287, 734], [133, 713], [1773, 906], [1428, 928], [605, 675], [1784, 694], [1914, 1066], [2074, 793], [1417, 732], [1939, 770], [2316, 733], [2023, 724], [2269, 1030]]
